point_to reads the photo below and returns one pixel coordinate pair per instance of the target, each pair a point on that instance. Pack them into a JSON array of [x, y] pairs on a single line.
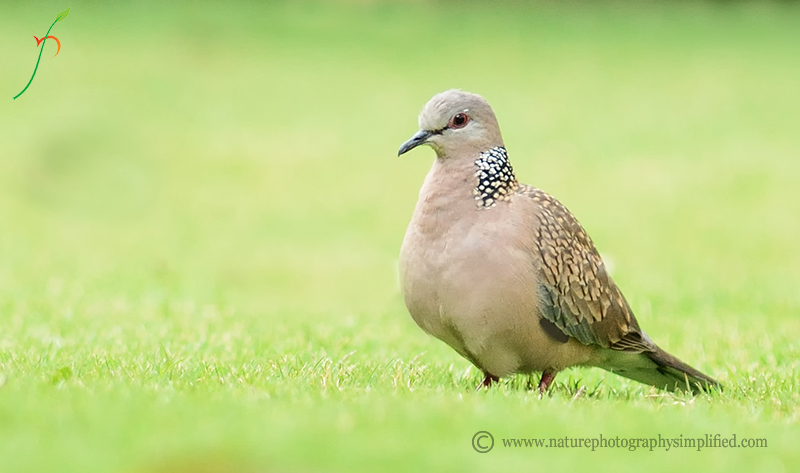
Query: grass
[[201, 208]]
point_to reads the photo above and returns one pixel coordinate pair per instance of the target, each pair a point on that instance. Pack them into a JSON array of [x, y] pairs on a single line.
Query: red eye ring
[[459, 120]]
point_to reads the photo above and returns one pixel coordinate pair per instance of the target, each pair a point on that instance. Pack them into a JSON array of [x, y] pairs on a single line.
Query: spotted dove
[[504, 274]]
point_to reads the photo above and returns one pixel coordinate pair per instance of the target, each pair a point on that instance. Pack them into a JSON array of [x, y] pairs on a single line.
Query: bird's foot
[[547, 379], [487, 381]]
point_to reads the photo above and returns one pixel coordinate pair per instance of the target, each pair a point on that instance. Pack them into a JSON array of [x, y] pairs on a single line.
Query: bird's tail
[[660, 369]]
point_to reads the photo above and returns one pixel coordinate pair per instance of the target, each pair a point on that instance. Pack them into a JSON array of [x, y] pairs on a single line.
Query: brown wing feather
[[576, 292]]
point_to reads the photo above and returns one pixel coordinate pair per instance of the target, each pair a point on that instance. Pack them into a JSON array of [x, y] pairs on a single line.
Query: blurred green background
[[201, 208]]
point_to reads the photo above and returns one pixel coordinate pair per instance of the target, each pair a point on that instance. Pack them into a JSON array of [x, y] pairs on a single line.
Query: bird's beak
[[419, 138]]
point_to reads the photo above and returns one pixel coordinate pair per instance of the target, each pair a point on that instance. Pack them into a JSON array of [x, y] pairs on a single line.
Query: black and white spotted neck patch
[[496, 180]]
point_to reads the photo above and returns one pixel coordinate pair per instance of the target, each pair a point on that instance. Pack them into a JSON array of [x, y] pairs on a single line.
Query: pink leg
[[547, 379], [487, 381]]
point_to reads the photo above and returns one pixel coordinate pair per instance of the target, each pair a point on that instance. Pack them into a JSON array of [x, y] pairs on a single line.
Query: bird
[[504, 274]]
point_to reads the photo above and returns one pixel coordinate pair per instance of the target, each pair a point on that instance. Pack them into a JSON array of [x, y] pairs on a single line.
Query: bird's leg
[[487, 381], [547, 378]]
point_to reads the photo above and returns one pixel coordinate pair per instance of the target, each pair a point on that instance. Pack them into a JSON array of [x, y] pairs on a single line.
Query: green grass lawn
[[201, 210]]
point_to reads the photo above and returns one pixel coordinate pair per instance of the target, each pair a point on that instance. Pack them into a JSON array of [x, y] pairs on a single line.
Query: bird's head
[[456, 123]]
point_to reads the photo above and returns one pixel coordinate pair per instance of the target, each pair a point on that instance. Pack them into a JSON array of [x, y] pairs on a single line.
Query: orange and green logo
[[60, 17]]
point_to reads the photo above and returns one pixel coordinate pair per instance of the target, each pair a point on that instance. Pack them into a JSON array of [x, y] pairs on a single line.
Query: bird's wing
[[577, 295]]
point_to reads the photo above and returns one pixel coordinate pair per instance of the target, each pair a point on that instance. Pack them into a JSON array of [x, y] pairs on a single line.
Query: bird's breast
[[464, 281]]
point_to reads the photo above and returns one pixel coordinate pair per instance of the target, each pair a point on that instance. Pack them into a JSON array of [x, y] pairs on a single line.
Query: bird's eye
[[459, 120]]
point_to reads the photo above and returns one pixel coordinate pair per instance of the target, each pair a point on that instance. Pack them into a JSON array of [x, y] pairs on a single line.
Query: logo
[[482, 441], [60, 17]]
